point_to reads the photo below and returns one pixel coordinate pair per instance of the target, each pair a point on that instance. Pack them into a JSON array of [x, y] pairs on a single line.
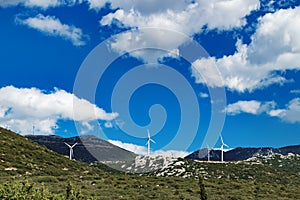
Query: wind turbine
[[71, 149], [208, 153], [222, 149], [149, 141], [33, 127]]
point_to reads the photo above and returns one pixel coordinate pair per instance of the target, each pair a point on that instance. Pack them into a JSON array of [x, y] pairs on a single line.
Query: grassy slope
[[38, 165], [25, 157], [47, 167]]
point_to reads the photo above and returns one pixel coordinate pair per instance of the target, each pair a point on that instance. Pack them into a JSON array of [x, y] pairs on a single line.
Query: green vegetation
[[30, 171]]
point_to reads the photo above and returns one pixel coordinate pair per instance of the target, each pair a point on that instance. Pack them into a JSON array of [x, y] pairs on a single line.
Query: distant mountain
[[240, 153], [89, 148]]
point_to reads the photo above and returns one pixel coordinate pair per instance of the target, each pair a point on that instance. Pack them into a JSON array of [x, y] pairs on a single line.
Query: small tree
[[72, 193], [203, 195]]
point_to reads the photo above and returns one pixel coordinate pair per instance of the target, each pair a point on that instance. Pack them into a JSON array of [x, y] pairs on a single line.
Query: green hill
[[22, 157], [30, 171], [23, 160]]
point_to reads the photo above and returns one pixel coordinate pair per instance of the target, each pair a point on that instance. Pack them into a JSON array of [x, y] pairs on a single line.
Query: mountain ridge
[[242, 153], [89, 148]]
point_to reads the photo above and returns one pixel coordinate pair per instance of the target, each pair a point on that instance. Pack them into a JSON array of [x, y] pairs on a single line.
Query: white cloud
[[20, 108], [251, 107], [142, 150], [52, 26], [4, 3], [275, 46], [243, 106], [235, 72], [85, 127], [44, 4], [276, 38], [171, 14], [96, 4], [203, 95], [289, 114], [31, 3], [108, 124], [187, 17], [295, 91]]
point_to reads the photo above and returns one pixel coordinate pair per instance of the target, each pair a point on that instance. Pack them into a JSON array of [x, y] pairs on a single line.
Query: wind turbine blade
[[148, 133], [74, 145], [152, 141], [225, 145], [222, 139], [68, 145]]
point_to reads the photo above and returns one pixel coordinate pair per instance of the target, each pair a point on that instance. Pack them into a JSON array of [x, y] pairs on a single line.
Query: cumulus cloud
[[275, 47], [20, 108], [44, 4], [203, 95], [52, 26], [187, 17], [142, 150], [251, 107], [221, 14], [295, 91], [289, 114]]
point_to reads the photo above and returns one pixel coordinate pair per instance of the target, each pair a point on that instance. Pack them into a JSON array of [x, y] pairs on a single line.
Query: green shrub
[[26, 191], [47, 179], [203, 195]]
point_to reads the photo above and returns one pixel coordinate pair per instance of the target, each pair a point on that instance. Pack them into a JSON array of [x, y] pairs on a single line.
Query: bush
[[47, 179], [203, 195], [26, 191]]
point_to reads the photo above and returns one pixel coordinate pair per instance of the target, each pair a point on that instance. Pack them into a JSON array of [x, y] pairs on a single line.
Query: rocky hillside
[[239, 154], [275, 168]]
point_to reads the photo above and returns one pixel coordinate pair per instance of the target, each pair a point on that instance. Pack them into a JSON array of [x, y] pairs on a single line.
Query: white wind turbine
[[149, 141], [208, 153], [71, 149], [222, 149]]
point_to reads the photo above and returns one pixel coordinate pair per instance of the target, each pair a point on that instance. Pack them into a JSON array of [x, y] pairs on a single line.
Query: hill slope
[[27, 160], [21, 156]]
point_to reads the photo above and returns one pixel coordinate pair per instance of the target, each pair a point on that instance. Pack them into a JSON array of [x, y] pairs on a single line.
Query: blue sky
[[187, 71]]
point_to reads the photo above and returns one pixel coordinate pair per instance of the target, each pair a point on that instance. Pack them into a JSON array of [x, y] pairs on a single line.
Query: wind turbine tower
[[222, 149], [149, 141], [208, 153], [71, 149]]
